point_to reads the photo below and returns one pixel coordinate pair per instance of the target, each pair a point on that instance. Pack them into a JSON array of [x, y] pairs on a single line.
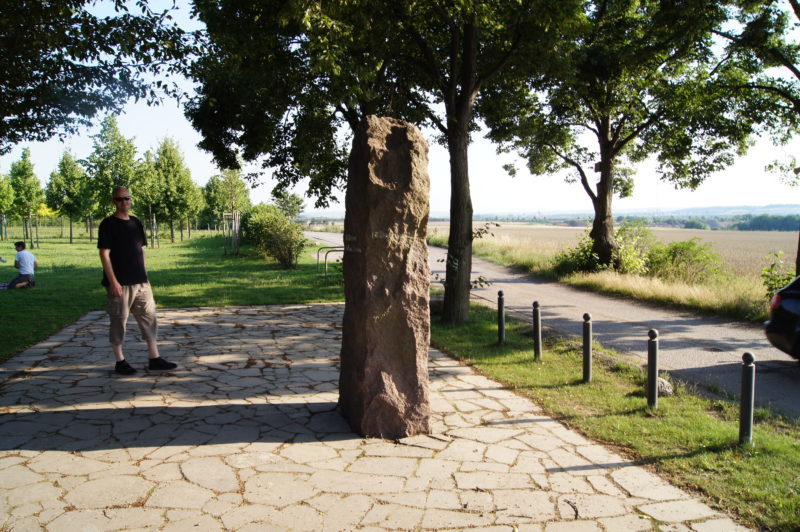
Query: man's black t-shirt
[[125, 239]]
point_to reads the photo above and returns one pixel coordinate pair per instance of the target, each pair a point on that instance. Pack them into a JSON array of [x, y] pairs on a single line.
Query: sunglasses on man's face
[[123, 198]]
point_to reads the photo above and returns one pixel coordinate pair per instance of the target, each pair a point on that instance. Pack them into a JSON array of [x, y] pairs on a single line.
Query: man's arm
[[114, 288]]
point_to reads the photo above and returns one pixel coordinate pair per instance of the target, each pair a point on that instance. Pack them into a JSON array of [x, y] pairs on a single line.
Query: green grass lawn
[[689, 439], [193, 273]]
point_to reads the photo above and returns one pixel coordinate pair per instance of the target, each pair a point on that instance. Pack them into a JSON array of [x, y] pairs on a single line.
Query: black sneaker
[[122, 367], [160, 363]]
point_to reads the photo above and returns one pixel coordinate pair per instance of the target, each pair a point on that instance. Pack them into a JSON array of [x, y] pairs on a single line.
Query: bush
[[274, 234], [689, 261], [777, 274], [635, 241], [577, 259]]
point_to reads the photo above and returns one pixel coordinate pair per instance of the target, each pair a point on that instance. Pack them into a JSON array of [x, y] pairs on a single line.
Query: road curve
[[694, 348]]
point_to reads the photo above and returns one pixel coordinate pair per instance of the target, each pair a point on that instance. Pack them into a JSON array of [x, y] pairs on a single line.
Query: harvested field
[[745, 252]]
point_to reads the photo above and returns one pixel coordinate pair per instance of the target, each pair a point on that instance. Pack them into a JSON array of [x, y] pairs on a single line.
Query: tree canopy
[[111, 163], [62, 63], [315, 66], [28, 193], [65, 190], [177, 187]]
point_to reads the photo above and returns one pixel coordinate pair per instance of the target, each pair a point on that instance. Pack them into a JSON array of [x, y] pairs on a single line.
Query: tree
[[28, 192], [176, 182], [638, 79], [64, 191], [195, 205], [226, 192], [6, 202], [111, 163], [342, 60], [291, 205], [62, 63], [147, 189]]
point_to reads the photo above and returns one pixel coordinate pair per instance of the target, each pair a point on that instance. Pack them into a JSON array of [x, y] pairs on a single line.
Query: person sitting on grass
[[25, 262]]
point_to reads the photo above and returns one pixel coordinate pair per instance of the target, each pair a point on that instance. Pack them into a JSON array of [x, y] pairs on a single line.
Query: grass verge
[[192, 273], [729, 295], [689, 439]]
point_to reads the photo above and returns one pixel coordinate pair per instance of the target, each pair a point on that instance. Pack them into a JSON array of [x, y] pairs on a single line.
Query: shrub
[[690, 261], [274, 234], [577, 259], [635, 241], [777, 274]]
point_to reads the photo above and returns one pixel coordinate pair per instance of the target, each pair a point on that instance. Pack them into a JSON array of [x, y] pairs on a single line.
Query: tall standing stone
[[383, 386]]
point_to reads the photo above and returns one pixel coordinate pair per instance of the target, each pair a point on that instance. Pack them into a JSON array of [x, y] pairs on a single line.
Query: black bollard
[[587, 348], [537, 332], [652, 369], [501, 319], [747, 400]]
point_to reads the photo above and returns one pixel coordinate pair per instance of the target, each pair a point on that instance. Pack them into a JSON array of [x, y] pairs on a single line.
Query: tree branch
[[584, 180], [796, 8], [635, 133]]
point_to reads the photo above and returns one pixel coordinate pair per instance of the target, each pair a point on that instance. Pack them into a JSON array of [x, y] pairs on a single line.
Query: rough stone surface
[[384, 379], [665, 387]]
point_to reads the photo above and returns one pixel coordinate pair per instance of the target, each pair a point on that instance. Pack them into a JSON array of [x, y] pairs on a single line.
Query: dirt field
[[743, 251]]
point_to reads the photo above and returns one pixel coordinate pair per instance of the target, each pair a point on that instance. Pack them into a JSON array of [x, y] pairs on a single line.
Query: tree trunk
[[459, 245], [70, 229], [172, 231], [797, 259], [604, 245], [30, 229], [152, 230], [91, 228]]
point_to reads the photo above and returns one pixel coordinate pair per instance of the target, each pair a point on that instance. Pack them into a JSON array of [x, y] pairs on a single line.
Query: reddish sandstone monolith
[[383, 386]]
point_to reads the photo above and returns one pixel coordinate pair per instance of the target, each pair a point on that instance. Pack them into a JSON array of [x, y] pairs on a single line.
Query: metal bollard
[[652, 369], [537, 332], [501, 319], [748, 399], [587, 348]]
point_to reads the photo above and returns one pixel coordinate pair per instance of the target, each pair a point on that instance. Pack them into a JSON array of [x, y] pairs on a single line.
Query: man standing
[[120, 241], [25, 262]]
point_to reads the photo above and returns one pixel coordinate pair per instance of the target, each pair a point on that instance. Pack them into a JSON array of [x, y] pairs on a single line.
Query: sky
[[493, 190]]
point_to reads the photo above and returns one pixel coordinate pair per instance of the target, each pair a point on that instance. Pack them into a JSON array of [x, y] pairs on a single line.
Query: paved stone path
[[245, 436]]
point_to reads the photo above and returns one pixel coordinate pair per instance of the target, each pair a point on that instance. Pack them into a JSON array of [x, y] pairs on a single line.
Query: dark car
[[783, 327]]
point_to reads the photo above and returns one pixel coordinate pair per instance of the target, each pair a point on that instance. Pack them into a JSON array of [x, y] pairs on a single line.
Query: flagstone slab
[[677, 511], [211, 473], [277, 489], [179, 494], [122, 490]]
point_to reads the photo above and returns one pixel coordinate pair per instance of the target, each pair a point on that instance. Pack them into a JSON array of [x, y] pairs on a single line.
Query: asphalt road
[[693, 348]]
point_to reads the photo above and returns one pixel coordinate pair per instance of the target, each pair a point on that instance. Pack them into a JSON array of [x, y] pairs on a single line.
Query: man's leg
[[118, 310], [143, 309], [20, 281]]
